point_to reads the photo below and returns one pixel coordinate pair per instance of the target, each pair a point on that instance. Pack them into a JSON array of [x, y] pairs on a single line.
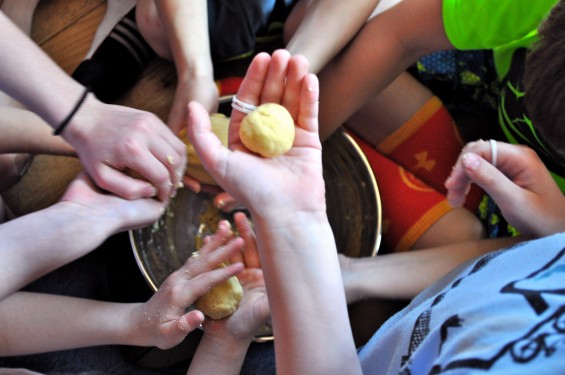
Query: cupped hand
[[164, 321], [253, 310], [520, 185], [111, 140], [252, 180]]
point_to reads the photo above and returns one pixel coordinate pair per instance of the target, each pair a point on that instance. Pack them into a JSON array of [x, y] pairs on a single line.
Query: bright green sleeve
[[500, 25], [486, 24]]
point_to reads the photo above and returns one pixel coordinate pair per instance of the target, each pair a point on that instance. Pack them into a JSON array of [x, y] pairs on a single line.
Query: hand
[[202, 90], [112, 139], [163, 321], [520, 184], [253, 310], [100, 207], [253, 180]]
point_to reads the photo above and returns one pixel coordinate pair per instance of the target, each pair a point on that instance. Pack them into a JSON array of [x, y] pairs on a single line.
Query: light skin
[[390, 109], [178, 31], [84, 217], [293, 233], [521, 186], [290, 222], [108, 139], [47, 322], [225, 342]]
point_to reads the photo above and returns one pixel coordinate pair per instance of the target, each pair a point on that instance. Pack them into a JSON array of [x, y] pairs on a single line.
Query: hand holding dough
[[268, 130]]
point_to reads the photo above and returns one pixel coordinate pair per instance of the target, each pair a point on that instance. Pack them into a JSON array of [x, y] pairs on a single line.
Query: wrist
[[195, 69], [77, 130], [65, 122], [226, 353]]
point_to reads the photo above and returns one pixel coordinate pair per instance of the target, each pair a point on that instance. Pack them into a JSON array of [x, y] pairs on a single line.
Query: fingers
[[251, 87], [276, 79], [459, 182], [190, 321], [164, 167], [492, 180], [226, 203], [157, 166], [206, 144], [296, 71], [249, 254], [475, 166], [309, 104]]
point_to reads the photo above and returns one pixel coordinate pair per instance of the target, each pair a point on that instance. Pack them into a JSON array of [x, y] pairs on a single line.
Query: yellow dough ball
[[195, 169], [222, 300], [268, 130]]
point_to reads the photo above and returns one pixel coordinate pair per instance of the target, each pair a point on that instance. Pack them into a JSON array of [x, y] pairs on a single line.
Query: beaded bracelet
[[59, 129]]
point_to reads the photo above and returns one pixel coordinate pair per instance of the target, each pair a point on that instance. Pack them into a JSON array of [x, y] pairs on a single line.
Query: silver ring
[[240, 106], [493, 152]]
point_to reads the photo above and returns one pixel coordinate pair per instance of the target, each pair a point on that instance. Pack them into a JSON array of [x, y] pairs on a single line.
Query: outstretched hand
[[520, 184], [281, 79], [117, 213]]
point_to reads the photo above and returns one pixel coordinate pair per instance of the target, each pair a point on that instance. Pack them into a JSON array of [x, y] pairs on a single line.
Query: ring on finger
[[242, 106], [493, 152]]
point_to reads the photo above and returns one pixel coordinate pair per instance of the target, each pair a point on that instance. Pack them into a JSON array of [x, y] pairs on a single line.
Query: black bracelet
[[59, 129]]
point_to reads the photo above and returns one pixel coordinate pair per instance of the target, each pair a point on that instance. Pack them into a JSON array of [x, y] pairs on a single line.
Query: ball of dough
[[222, 300], [220, 126], [268, 130]]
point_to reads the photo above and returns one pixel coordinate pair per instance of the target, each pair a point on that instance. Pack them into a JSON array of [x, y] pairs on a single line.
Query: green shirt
[[508, 28]]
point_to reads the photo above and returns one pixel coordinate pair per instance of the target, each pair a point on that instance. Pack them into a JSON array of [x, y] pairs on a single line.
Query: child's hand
[[519, 183], [253, 310], [163, 321]]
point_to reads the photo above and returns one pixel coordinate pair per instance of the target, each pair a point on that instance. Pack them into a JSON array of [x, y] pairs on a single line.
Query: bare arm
[[295, 241], [404, 275], [32, 245], [325, 27], [180, 34], [107, 138], [388, 44], [35, 323], [25, 132]]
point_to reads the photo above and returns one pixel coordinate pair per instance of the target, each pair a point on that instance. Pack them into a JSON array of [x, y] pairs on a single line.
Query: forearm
[[25, 132], [218, 355], [35, 323], [326, 28], [404, 275], [38, 243], [186, 26], [388, 44], [31, 77], [304, 285]]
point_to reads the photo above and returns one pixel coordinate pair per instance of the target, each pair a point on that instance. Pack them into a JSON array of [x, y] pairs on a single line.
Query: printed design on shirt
[[413, 182], [543, 338]]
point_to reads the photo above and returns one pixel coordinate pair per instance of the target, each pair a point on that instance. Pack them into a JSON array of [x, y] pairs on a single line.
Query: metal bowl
[[353, 206]]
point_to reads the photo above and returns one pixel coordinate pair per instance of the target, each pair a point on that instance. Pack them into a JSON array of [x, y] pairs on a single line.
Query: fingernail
[[471, 161], [220, 203]]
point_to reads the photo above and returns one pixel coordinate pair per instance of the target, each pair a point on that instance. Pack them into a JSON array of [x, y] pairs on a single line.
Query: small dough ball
[[195, 169], [268, 130], [222, 300]]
